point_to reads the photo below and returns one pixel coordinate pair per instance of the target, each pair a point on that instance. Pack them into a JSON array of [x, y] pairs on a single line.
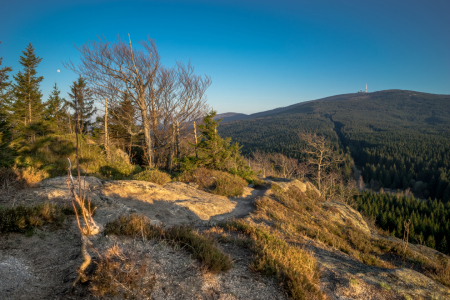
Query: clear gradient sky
[[259, 54]]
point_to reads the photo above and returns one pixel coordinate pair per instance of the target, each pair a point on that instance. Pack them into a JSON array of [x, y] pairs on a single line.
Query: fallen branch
[[88, 228]]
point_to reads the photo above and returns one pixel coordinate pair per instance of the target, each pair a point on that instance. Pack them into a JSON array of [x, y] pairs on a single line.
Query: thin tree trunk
[[156, 142], [147, 137], [196, 142], [172, 146], [129, 152], [106, 131], [29, 103], [178, 141]]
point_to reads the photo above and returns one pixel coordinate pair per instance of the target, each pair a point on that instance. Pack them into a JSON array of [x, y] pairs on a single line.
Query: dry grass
[[202, 247], [153, 175], [305, 216], [216, 182], [293, 266], [122, 274], [24, 219], [287, 219], [293, 215]]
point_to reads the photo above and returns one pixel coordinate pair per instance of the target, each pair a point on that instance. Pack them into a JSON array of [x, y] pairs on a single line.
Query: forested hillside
[[400, 139], [429, 220]]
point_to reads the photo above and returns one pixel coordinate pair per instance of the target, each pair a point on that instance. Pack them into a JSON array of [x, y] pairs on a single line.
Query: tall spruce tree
[[82, 104], [54, 111], [4, 86], [26, 105], [5, 134]]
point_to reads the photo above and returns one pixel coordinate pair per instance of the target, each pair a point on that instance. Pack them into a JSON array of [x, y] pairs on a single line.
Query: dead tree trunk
[[178, 141], [147, 137], [106, 131], [196, 142], [171, 149]]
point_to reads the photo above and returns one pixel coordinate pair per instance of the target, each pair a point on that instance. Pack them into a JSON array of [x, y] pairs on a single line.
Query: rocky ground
[[43, 266]]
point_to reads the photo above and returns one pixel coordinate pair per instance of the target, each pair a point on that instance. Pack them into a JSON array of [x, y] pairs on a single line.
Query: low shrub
[[216, 182], [23, 219], [153, 175], [202, 247], [49, 154], [201, 176], [229, 185]]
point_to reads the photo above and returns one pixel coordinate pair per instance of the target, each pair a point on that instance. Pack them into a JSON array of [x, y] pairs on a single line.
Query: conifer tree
[[212, 149], [82, 103], [215, 152], [5, 135], [4, 85], [54, 112], [26, 105]]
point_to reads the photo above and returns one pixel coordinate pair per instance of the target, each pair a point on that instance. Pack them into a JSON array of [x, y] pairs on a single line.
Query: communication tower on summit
[[366, 87]]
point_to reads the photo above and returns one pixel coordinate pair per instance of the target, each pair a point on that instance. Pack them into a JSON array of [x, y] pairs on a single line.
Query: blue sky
[[259, 54]]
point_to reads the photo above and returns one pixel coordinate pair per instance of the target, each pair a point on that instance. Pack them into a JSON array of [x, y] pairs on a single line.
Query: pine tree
[[82, 103], [54, 112], [215, 152], [443, 246], [26, 105], [5, 133], [4, 85], [212, 149], [431, 242]]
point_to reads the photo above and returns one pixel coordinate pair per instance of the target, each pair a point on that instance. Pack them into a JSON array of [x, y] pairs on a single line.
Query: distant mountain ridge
[[233, 116]]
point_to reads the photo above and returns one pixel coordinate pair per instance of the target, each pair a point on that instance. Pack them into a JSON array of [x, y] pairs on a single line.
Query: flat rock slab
[[173, 203]]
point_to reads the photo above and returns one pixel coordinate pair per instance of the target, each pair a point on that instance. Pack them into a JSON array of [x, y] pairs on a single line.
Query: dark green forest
[[399, 139], [430, 220]]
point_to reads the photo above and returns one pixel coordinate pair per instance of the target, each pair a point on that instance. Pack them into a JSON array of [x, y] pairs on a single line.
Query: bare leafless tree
[[162, 95], [260, 162], [288, 167], [321, 155]]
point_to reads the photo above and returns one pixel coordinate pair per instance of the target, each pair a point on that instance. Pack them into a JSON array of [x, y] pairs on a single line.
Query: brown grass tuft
[[202, 247], [295, 267], [122, 274]]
